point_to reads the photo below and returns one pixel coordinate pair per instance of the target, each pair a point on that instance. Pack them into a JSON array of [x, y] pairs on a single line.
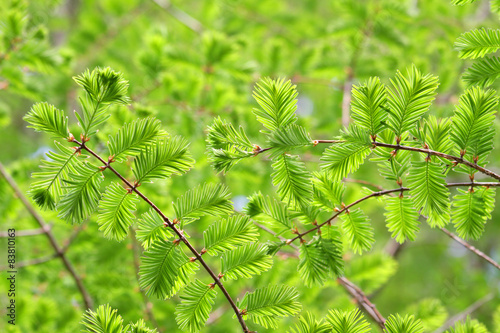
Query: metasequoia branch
[[402, 189], [59, 252], [177, 231], [443, 155]]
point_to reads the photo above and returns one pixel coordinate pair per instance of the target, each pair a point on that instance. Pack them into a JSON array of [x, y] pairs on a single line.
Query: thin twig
[[471, 248], [178, 232], [443, 155], [53, 242], [363, 301], [180, 15], [462, 315], [31, 262]]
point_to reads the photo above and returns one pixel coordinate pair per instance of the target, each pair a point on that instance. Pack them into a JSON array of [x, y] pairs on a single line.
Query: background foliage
[[187, 70]]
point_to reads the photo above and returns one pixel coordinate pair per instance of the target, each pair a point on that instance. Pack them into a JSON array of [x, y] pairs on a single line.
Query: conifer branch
[[23, 233], [177, 231], [59, 252], [439, 154]]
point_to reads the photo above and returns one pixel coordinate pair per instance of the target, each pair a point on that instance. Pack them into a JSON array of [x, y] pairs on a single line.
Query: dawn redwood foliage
[[390, 127]]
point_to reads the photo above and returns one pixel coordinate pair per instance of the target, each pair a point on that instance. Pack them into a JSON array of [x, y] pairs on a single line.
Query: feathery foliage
[[401, 218], [116, 212], [308, 324], [83, 194], [328, 193], [407, 324], [312, 266], [245, 261], [469, 326], [196, 303], [429, 193], [47, 191], [270, 211], [229, 233], [293, 180], [409, 99], [164, 269], [343, 158], [103, 320], [371, 271], [477, 43], [332, 250], [358, 230], [368, 106], [348, 321], [226, 146], [44, 117], [162, 159], [472, 130], [471, 210], [206, 199], [285, 139], [278, 102], [483, 72], [133, 137], [103, 87], [151, 228], [264, 306]]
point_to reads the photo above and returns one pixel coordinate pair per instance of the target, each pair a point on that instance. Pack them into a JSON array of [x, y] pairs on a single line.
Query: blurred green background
[[190, 61]]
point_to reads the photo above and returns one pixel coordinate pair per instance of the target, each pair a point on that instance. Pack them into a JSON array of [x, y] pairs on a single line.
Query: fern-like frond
[[308, 324], [226, 146], [437, 134], [483, 72], [332, 248], [164, 269], [104, 85], [270, 211], [140, 327], [207, 199], [471, 210], [429, 192], [44, 117], [83, 194], [222, 135], [368, 106], [196, 304], [293, 180], [347, 321], [358, 230], [47, 191], [245, 261], [407, 324], [469, 326], [477, 43], [162, 159], [133, 137], [103, 320], [410, 97], [472, 127], [288, 138], [401, 218], [116, 212], [313, 268], [278, 102], [346, 157], [151, 228], [229, 233], [328, 192], [392, 167], [265, 305]]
